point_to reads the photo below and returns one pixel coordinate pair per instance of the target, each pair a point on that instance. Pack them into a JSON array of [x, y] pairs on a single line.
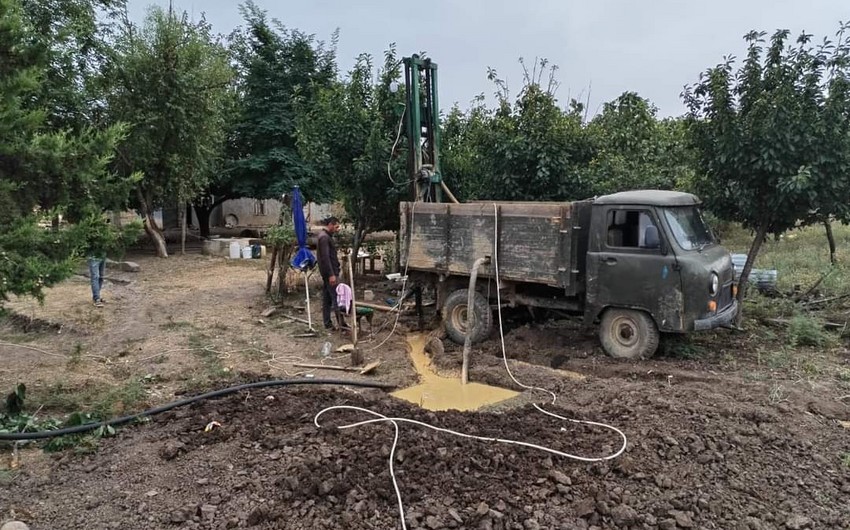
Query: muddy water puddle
[[436, 392]]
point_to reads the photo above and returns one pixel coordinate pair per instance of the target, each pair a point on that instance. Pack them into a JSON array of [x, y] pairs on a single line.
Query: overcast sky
[[604, 47]]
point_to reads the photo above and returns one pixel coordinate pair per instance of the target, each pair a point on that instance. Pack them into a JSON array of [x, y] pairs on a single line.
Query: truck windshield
[[688, 227]]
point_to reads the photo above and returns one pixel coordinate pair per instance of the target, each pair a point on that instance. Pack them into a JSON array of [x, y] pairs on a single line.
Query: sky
[[602, 47]]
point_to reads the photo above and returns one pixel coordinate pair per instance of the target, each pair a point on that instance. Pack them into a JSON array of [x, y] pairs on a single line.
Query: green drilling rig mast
[[422, 119]]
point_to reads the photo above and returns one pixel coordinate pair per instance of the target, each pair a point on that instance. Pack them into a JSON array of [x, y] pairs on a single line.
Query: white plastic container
[[235, 250], [246, 252]]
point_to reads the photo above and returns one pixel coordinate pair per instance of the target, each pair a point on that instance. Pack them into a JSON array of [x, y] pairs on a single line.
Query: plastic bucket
[[234, 250]]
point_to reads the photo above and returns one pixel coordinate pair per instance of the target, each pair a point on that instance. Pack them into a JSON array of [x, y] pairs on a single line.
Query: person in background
[[96, 255], [328, 267]]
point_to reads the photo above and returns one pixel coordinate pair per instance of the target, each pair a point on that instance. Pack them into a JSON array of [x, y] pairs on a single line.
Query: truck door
[[631, 265]]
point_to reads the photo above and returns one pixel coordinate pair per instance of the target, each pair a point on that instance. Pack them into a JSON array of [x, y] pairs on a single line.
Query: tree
[[350, 133], [74, 35], [528, 149], [772, 138], [635, 150], [43, 172], [172, 82], [276, 66]]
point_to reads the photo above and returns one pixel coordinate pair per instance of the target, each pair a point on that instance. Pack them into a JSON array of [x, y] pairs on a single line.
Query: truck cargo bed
[[536, 240]]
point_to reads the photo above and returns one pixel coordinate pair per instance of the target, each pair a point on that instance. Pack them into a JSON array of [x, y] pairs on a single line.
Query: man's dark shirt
[[328, 259]]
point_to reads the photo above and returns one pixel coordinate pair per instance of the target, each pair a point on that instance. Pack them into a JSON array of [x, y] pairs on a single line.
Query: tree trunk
[[203, 219], [181, 220], [204, 212], [270, 272], [761, 232], [831, 238], [150, 226]]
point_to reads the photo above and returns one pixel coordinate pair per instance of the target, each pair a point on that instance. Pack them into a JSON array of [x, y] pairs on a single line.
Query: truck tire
[[628, 334], [454, 316]]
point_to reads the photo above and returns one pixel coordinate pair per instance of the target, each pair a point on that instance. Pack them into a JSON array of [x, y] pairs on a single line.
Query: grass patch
[[205, 351], [176, 325], [801, 257], [806, 330]]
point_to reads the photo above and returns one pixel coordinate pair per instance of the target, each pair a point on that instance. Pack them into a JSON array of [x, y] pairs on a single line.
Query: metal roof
[[649, 198]]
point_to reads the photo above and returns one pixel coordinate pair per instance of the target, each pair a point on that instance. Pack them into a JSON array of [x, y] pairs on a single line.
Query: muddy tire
[[628, 334], [454, 316]]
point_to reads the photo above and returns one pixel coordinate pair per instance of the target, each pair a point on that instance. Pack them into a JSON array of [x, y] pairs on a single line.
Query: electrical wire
[[395, 420], [77, 429], [395, 143], [505, 355]]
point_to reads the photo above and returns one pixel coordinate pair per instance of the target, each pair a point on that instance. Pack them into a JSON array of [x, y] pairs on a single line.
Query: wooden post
[[270, 273], [356, 355]]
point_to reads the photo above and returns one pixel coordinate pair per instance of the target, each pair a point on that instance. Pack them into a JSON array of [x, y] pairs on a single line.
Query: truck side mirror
[[650, 237]]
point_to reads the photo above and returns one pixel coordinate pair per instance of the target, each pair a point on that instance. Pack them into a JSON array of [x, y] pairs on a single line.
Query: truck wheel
[[628, 334], [455, 316]]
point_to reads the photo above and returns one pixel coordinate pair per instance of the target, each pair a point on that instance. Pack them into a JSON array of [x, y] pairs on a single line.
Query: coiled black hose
[[77, 429]]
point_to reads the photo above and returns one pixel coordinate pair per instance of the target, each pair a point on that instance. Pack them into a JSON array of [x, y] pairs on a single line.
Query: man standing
[[328, 267]]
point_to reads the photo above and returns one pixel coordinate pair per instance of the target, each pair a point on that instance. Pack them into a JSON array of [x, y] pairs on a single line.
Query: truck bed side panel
[[448, 238]]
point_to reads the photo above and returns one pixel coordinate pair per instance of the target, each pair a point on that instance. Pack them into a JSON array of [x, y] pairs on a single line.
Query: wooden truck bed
[[536, 240]]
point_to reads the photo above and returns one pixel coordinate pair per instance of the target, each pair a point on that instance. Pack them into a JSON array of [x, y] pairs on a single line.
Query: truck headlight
[[714, 284]]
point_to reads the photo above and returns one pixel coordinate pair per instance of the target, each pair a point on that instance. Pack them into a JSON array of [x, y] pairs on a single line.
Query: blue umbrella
[[303, 259]]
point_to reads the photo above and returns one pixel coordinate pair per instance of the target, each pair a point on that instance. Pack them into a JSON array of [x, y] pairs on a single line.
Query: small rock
[[454, 515], [208, 512], [180, 516], [531, 524], [171, 449], [14, 525], [667, 524], [560, 477], [483, 508], [585, 507], [623, 515], [152, 493], [682, 519], [433, 522], [798, 522]]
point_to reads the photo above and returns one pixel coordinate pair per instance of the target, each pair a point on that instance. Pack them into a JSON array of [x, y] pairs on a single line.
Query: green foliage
[[43, 172], [172, 82], [348, 133], [805, 330], [276, 67], [527, 149], [773, 137], [281, 235], [635, 150], [102, 238]]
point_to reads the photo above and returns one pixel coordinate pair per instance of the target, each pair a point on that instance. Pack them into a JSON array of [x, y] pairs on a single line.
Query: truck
[[634, 263]]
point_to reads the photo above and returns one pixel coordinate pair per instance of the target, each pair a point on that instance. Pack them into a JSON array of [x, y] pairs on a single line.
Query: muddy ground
[[722, 433]]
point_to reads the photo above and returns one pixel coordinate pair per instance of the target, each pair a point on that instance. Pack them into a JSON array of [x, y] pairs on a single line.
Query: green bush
[[805, 330]]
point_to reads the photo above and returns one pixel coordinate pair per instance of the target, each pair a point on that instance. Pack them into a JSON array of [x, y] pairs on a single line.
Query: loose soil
[[720, 439]]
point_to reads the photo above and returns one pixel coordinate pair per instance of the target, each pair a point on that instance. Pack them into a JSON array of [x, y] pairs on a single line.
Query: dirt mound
[[713, 462]]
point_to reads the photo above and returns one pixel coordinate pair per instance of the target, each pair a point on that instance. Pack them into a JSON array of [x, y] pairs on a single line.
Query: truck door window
[[630, 228]]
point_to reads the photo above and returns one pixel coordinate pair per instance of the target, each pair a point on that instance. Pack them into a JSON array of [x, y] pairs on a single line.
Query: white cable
[[392, 151], [382, 418], [504, 350], [499, 307], [394, 420]]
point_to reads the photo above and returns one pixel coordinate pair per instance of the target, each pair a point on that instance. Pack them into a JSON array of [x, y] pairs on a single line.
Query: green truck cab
[[635, 264]]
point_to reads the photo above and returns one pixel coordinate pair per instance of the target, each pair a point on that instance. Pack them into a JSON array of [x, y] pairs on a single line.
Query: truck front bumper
[[723, 319]]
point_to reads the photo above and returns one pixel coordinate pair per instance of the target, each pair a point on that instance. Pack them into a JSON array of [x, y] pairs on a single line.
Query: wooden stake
[[356, 355]]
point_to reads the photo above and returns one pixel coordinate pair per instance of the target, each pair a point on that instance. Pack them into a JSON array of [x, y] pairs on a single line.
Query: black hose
[[173, 405]]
